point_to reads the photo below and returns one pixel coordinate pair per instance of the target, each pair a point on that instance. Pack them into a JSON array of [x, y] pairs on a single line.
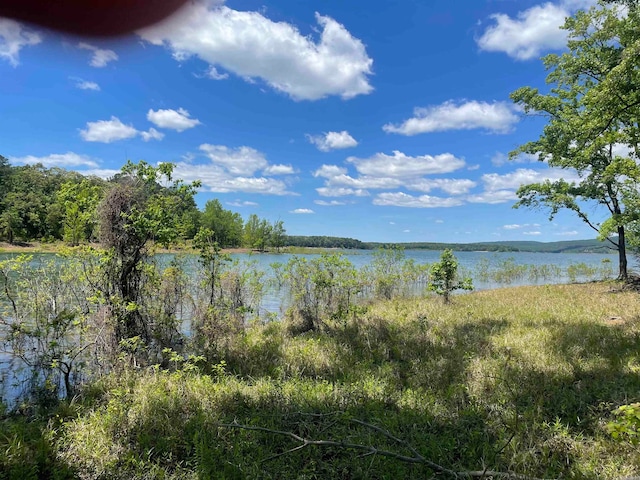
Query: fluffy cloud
[[493, 197], [388, 172], [213, 74], [515, 226], [279, 170], [502, 188], [101, 57], [13, 38], [452, 186], [215, 178], [232, 170], [107, 131], [532, 32], [332, 141], [252, 46], [302, 210], [178, 120], [400, 165], [535, 232], [400, 199], [524, 176], [341, 192], [496, 117], [332, 203], [151, 134], [238, 161], [64, 160], [85, 84], [245, 203]]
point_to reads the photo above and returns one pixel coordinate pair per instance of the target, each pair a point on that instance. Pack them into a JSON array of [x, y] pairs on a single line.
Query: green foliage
[[278, 235], [226, 225], [78, 202], [43, 325], [626, 425], [319, 289], [228, 295], [257, 233], [515, 380], [444, 276], [592, 111], [390, 274], [143, 206]]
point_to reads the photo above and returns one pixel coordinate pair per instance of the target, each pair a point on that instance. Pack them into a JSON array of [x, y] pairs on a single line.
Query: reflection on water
[[487, 269]]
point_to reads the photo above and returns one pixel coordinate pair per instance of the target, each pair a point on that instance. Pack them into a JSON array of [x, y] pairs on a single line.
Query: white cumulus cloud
[[13, 38], [332, 203], [81, 84], [101, 57], [496, 117], [254, 47], [400, 199], [238, 161], [107, 131], [532, 32], [332, 141], [452, 186], [151, 134], [234, 170], [302, 210], [400, 165], [341, 192], [69, 159], [279, 170], [178, 120]]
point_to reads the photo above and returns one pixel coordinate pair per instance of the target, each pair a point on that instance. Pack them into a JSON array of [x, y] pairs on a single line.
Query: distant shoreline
[[576, 246]]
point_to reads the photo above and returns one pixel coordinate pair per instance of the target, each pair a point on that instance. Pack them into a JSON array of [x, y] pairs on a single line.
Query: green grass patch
[[521, 379]]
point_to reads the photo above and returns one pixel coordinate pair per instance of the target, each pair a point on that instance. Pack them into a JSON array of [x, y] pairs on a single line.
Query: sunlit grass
[[542, 366]]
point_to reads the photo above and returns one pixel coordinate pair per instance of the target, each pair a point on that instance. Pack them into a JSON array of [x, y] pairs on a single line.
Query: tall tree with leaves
[[225, 224], [593, 110], [278, 235], [78, 202], [137, 211]]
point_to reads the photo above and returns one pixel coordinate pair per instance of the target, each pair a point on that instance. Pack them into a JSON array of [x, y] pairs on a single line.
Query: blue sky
[[382, 120]]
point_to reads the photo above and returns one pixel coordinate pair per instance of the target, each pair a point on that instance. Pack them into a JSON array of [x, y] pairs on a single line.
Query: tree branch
[[371, 450]]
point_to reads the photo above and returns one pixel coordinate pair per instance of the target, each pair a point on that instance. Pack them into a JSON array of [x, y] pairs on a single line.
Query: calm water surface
[[470, 263]]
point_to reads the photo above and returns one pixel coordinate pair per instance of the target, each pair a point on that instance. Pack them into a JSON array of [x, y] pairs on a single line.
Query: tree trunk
[[622, 255]]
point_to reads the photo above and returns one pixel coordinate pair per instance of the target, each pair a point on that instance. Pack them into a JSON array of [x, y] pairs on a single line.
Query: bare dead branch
[[371, 450]]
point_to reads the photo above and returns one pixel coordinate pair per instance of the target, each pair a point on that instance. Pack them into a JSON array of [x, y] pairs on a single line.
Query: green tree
[[444, 276], [592, 131], [135, 213], [278, 235], [257, 233], [225, 224], [78, 202]]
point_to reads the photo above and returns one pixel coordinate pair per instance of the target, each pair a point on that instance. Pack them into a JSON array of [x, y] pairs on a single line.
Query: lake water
[[487, 269], [483, 267]]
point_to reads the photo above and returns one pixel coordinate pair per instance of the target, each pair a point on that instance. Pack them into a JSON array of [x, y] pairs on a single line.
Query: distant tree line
[[317, 241], [49, 204]]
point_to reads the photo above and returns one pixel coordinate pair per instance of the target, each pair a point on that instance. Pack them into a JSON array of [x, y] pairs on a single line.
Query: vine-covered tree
[[136, 211], [592, 131]]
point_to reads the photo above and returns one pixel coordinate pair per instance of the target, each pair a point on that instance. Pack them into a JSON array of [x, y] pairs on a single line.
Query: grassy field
[[517, 380]]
